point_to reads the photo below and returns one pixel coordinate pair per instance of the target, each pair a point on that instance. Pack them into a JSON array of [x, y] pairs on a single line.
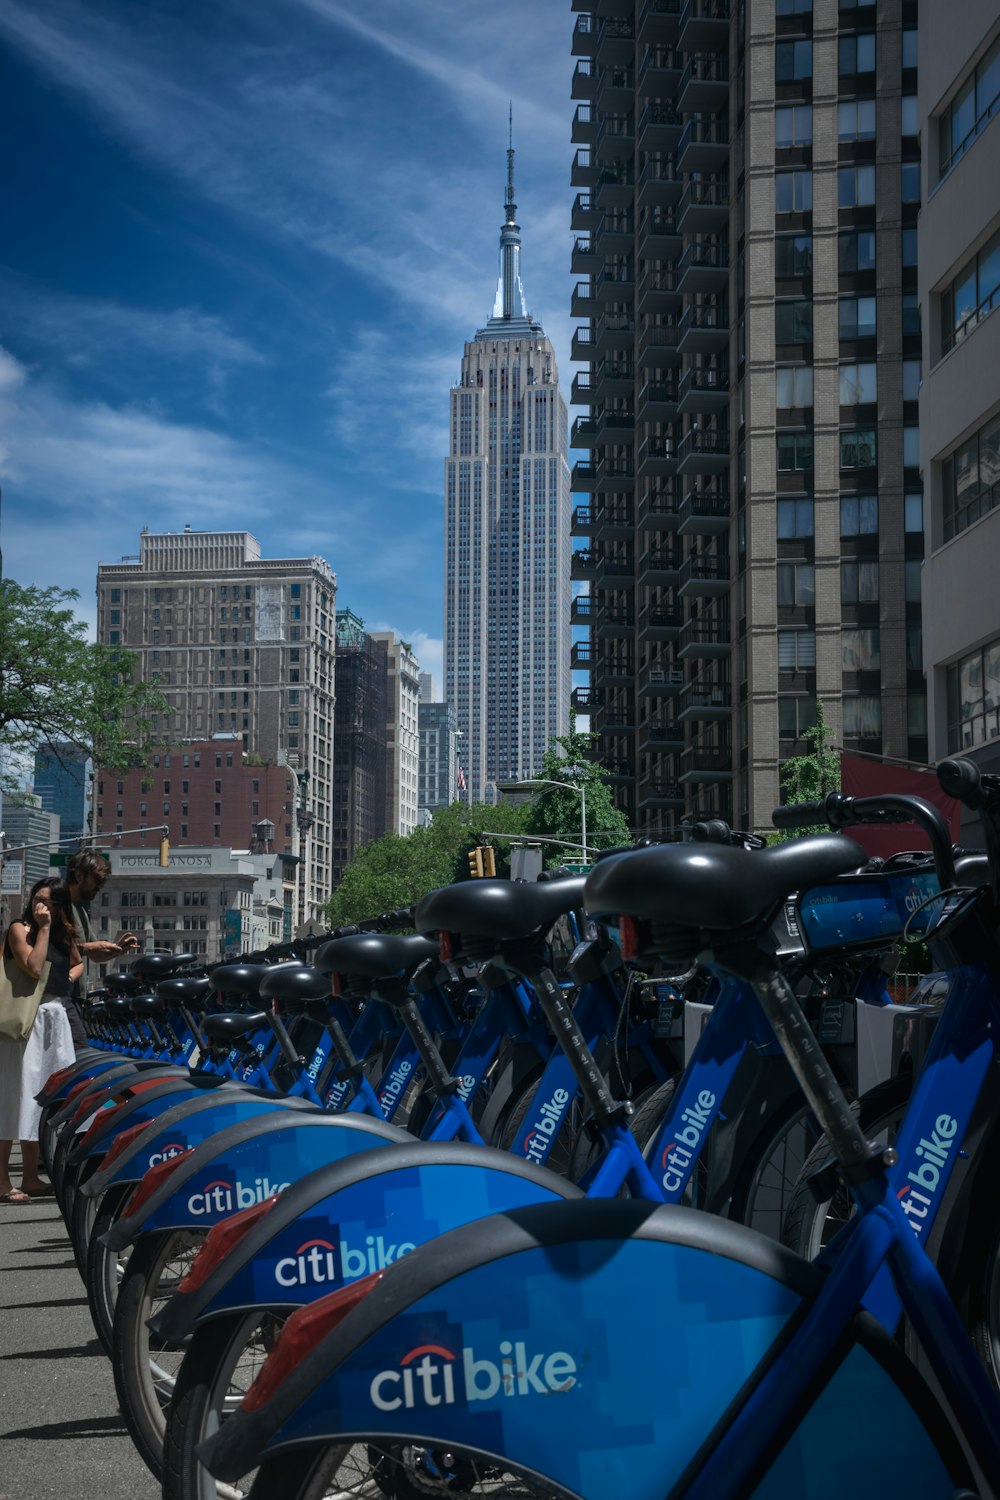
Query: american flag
[[461, 777]]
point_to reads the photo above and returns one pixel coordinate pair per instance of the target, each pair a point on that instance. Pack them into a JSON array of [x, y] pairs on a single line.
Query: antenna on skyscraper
[[509, 204]]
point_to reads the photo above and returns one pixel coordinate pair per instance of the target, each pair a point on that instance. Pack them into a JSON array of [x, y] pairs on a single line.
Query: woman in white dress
[[44, 934]]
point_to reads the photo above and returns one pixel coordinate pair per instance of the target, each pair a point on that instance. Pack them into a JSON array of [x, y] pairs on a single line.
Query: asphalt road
[[61, 1433]]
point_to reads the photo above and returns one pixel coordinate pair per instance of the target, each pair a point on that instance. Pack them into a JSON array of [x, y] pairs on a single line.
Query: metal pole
[[583, 818]]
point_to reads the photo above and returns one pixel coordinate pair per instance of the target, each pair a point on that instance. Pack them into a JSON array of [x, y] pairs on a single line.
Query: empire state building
[[507, 539]]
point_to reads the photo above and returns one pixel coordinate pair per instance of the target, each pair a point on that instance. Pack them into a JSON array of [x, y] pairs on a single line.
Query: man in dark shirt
[[86, 872]]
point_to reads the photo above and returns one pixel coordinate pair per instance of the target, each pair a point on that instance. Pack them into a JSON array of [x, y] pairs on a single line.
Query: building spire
[[510, 293]]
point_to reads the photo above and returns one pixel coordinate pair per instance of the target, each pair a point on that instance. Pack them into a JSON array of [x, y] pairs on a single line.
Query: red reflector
[[300, 1335], [154, 1178], [335, 984], [628, 931], [77, 1089], [55, 1081], [101, 1121], [222, 1239], [446, 948], [122, 1141]]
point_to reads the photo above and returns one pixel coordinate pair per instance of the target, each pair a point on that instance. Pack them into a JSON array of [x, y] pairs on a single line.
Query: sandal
[[14, 1196]]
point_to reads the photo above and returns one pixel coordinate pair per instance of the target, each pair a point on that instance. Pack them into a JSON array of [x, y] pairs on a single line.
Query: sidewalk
[[61, 1433]]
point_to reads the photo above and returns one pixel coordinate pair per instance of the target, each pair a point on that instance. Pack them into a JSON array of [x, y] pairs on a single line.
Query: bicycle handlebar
[[839, 811]]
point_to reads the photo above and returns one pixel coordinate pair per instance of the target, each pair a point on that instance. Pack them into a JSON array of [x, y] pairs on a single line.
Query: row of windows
[[974, 698], [860, 648], [793, 60], [970, 479], [858, 449], [793, 123], [971, 110], [855, 187], [793, 318], [858, 515], [974, 292], [859, 583]]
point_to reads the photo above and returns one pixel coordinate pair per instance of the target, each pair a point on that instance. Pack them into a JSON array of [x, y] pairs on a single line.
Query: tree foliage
[[56, 685], [807, 778], [556, 814]]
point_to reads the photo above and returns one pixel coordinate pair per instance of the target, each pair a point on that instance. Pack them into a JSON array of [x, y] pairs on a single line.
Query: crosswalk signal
[[476, 863], [489, 861]]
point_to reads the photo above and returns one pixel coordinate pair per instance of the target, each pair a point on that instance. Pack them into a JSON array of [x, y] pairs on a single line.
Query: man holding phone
[[86, 873]]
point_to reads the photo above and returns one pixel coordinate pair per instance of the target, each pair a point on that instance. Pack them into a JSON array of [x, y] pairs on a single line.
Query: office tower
[[241, 645], [506, 625], [361, 755], [62, 785], [959, 254], [32, 835], [401, 733], [438, 772], [746, 235]]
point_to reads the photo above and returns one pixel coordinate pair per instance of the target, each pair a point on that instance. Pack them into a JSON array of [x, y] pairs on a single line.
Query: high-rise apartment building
[[959, 250], [507, 509], [242, 645], [746, 237], [438, 769], [62, 785], [361, 756], [401, 733]]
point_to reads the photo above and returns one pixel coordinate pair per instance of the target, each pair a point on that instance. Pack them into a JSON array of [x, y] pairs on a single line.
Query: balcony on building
[[704, 26], [584, 260], [699, 764], [614, 425], [659, 566], [659, 621], [659, 508], [582, 343], [583, 476], [662, 682], [658, 22], [703, 147], [659, 186], [615, 282], [612, 617], [659, 128], [582, 522], [612, 572], [704, 85], [583, 564], [618, 770], [703, 389], [704, 574], [618, 668], [583, 699], [658, 238], [583, 432], [613, 331], [580, 611], [657, 791], [611, 379], [709, 701], [616, 474], [584, 170], [584, 35], [662, 733], [658, 401], [658, 346], [614, 718], [704, 512], [703, 267], [703, 639], [704, 206], [614, 519], [615, 90], [703, 329], [658, 290], [614, 184], [703, 450], [581, 390], [582, 301], [583, 215], [615, 39], [615, 232], [660, 73], [584, 128], [615, 138], [584, 85], [657, 456]]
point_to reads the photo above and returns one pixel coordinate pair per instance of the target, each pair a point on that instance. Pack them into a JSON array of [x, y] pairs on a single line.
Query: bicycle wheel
[[221, 1362], [649, 1109], [809, 1225], [775, 1163], [396, 1472], [105, 1268], [145, 1368]]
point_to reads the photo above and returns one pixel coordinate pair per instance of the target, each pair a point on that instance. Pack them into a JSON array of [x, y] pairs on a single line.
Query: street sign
[[13, 874], [578, 869]]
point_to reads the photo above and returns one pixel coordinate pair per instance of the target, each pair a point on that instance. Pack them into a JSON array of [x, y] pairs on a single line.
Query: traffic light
[[164, 852], [476, 863], [489, 862]]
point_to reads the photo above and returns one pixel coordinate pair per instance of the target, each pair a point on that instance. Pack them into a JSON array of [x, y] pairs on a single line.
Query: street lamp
[[570, 786]]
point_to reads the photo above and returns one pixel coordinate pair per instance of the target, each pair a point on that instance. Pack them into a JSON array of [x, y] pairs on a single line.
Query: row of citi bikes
[[632, 1184]]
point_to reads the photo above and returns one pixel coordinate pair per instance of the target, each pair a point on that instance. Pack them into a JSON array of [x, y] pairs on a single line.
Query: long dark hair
[[62, 931]]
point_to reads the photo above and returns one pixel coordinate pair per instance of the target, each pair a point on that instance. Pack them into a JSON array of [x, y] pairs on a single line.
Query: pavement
[[61, 1433]]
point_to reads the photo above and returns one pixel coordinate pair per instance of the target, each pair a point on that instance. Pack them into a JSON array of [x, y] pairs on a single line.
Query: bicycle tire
[[810, 1224], [648, 1110], [145, 1369], [360, 1469], [105, 1268], [773, 1168]]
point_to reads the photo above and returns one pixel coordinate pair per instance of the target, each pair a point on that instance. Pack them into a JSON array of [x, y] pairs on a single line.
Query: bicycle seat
[[159, 965], [124, 983], [291, 983], [238, 979], [374, 955], [147, 1005], [190, 990], [498, 908], [714, 887], [227, 1027]]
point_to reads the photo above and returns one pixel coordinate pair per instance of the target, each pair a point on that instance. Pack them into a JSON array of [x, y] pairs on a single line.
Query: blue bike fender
[[103, 1089], [85, 1068], [246, 1163], [126, 1113], [354, 1217]]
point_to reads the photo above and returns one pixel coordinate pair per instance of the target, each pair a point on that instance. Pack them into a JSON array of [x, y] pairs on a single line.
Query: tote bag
[[20, 997]]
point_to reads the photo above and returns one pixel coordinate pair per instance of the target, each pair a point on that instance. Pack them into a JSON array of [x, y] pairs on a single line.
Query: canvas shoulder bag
[[20, 997]]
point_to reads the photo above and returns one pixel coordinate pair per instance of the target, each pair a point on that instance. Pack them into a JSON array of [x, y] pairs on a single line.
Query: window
[[911, 379], [856, 120], [857, 53], [795, 717], [974, 698], [861, 652], [793, 125], [857, 317], [856, 251], [795, 452], [972, 295], [792, 61], [859, 582], [912, 573], [793, 386], [910, 42], [911, 313], [911, 447], [793, 321], [796, 650], [116, 596], [792, 255], [862, 716], [913, 512], [857, 384], [796, 585], [858, 449], [970, 111], [295, 590], [859, 515], [909, 182], [908, 118], [114, 637], [793, 7], [793, 192], [855, 186], [795, 517], [908, 242]]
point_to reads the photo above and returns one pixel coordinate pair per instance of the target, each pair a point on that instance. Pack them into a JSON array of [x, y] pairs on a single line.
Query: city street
[[61, 1433]]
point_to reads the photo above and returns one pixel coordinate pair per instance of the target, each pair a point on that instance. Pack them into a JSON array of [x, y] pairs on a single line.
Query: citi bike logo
[[175, 1148], [548, 1115], [319, 1261], [465, 1086], [395, 1084], [337, 1094], [431, 1375], [677, 1156], [916, 1196], [226, 1197], [913, 899]]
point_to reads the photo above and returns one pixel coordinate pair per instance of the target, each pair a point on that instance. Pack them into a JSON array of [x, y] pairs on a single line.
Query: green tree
[[807, 778], [557, 814], [56, 685]]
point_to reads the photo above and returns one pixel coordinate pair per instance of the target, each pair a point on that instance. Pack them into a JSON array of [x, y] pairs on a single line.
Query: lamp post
[[570, 786]]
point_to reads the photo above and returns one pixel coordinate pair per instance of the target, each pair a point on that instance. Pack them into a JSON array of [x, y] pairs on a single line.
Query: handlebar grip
[[961, 780], [800, 814], [712, 831]]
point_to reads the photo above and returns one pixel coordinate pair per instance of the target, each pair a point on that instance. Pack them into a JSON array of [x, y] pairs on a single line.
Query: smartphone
[[128, 941]]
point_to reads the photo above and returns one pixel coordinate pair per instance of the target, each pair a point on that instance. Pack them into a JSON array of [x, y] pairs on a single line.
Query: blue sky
[[243, 244]]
